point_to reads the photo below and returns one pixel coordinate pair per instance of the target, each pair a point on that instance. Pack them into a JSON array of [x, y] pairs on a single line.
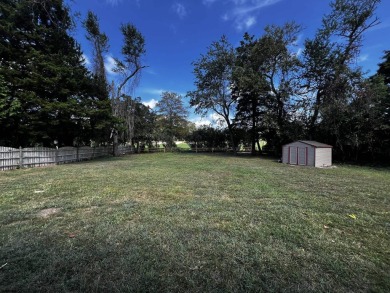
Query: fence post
[[56, 156], [77, 154], [20, 157]]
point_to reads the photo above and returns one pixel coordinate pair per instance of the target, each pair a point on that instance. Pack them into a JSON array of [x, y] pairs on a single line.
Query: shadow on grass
[[185, 260]]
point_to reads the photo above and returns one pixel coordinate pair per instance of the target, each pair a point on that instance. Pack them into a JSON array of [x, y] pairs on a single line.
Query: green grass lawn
[[194, 223]]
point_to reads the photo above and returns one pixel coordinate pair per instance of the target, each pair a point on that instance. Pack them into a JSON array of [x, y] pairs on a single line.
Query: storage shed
[[307, 153]]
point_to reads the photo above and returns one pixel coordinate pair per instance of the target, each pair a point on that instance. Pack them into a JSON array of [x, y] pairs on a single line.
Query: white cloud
[[250, 22], [225, 17], [157, 92], [109, 64], [201, 121], [362, 58], [208, 2], [243, 12], [151, 104], [213, 120], [180, 10], [245, 23], [215, 117], [152, 91], [299, 52], [113, 2], [217, 120], [117, 2], [244, 7]]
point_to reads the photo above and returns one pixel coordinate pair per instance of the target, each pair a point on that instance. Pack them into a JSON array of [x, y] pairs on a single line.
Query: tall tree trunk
[[115, 151], [313, 119], [254, 132], [230, 128]]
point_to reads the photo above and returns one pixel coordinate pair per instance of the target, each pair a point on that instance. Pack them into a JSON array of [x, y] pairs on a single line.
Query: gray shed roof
[[316, 144]]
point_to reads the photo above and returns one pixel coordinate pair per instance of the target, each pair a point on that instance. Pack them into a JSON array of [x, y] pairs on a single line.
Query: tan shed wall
[[310, 152], [323, 157], [285, 154]]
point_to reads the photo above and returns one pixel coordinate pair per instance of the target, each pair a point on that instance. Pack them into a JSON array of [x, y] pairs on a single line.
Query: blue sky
[[177, 32]]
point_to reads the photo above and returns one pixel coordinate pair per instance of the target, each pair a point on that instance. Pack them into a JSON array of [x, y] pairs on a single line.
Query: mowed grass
[[194, 223]]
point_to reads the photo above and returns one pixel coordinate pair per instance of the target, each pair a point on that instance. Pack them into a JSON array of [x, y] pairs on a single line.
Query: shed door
[[297, 156], [293, 156], [302, 159]]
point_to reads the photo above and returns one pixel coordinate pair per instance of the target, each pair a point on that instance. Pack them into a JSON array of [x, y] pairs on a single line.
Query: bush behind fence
[[11, 158]]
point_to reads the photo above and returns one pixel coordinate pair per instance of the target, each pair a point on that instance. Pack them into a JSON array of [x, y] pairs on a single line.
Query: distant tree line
[[266, 89]]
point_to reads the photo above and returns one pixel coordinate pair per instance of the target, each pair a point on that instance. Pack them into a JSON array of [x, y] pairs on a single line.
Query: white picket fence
[[11, 158]]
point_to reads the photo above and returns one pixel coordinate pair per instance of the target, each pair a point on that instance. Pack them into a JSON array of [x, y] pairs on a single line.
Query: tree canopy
[[50, 93], [172, 117], [213, 72]]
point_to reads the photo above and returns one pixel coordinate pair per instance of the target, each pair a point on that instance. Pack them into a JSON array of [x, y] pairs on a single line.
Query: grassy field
[[194, 223]]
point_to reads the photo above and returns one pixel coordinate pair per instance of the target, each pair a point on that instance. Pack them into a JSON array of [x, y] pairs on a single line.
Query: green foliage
[[100, 45], [265, 78], [50, 91], [381, 82], [102, 120], [384, 68], [329, 59], [172, 117], [134, 43], [213, 81], [144, 123], [208, 137], [133, 49], [8, 107]]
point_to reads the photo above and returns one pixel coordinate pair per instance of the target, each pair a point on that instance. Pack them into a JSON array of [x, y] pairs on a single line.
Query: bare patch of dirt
[[46, 213]]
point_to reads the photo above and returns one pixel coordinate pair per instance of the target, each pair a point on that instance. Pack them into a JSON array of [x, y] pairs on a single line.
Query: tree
[[383, 105], [279, 66], [102, 121], [144, 124], [49, 88], [213, 81], [363, 126], [266, 78], [172, 118], [384, 68], [8, 108], [129, 68], [250, 91], [329, 75], [100, 46], [207, 137]]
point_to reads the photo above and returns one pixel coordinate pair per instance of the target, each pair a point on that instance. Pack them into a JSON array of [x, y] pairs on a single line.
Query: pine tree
[[49, 87]]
